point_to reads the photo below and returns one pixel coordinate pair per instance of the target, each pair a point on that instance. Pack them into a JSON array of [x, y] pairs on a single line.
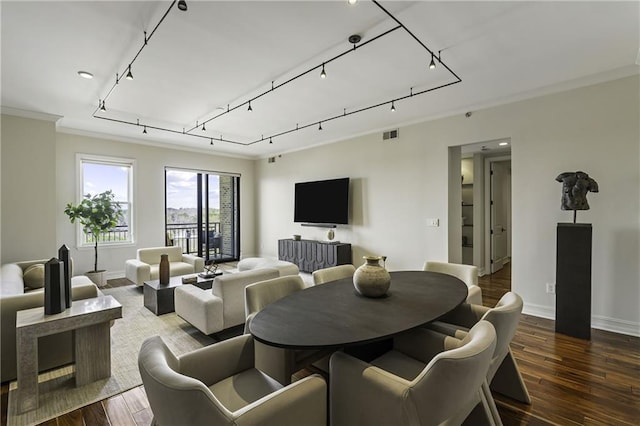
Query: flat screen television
[[322, 202]]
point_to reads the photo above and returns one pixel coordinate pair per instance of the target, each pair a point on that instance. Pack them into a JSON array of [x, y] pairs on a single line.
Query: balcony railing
[[186, 236], [119, 233]]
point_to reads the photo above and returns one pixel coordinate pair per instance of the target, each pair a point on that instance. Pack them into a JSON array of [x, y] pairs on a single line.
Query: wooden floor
[[571, 381]]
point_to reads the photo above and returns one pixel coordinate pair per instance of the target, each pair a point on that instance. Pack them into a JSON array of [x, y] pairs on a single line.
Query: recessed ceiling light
[[503, 143], [85, 74]]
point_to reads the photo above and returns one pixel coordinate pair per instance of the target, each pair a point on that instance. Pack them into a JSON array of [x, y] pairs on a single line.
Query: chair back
[[175, 398], [261, 294], [449, 386], [333, 273], [504, 317], [151, 255], [466, 273]]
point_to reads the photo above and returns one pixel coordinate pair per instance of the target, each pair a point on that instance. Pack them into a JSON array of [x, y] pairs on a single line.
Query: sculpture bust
[[575, 186]]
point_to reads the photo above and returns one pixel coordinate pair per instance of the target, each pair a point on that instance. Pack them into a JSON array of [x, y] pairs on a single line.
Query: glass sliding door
[[202, 213]]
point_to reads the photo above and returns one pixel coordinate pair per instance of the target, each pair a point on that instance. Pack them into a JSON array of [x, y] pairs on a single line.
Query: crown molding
[[30, 114]]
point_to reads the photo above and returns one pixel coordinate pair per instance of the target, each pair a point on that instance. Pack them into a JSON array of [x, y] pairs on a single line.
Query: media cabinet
[[312, 255]]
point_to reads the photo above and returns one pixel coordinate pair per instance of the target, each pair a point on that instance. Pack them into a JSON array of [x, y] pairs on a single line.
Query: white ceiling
[[224, 53]]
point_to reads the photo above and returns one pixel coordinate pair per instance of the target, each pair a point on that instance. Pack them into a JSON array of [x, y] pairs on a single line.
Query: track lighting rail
[[392, 102]]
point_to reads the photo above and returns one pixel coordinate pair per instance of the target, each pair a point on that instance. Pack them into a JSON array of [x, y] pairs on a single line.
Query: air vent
[[271, 160], [391, 134]]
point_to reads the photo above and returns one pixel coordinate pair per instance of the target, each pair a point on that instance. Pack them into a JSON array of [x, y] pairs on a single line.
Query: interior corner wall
[[149, 195], [28, 189], [397, 184]]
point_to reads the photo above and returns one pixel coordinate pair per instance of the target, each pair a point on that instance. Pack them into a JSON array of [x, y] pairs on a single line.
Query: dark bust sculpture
[[575, 186]]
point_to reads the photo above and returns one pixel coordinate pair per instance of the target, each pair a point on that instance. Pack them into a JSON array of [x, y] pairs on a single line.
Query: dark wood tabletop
[[334, 315]]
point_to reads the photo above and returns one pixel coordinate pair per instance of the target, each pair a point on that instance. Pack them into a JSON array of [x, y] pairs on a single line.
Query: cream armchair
[[427, 379], [466, 273], [333, 273], [503, 375], [219, 385], [145, 266]]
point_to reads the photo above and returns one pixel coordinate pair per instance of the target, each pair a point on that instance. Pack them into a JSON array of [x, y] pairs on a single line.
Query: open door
[[500, 187]]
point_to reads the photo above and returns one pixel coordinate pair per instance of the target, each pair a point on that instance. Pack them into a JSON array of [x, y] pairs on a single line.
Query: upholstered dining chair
[[279, 363], [426, 379], [466, 273], [333, 273], [503, 375], [219, 385]]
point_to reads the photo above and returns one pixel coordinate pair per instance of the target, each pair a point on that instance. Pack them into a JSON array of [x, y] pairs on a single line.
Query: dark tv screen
[[323, 201]]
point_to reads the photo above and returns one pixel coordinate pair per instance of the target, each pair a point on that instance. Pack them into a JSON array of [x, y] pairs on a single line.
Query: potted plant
[[98, 214]]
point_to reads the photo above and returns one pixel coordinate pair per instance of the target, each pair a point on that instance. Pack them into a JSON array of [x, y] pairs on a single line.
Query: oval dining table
[[334, 315]]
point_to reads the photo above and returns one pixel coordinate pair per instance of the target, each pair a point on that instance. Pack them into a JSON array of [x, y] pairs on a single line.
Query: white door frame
[[487, 208]]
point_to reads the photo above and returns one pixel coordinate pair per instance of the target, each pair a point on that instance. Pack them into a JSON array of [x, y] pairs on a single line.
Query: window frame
[[130, 163]]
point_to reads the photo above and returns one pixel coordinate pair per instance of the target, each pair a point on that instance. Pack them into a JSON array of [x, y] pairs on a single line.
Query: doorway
[[485, 239], [202, 213]]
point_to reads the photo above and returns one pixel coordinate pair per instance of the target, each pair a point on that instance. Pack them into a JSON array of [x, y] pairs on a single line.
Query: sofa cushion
[[11, 280], [34, 276], [284, 267], [175, 269]]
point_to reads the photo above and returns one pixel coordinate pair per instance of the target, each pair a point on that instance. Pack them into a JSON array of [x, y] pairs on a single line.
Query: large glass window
[[99, 174], [202, 213]]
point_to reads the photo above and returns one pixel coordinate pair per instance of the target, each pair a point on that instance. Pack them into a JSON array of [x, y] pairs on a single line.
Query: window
[[99, 174], [202, 213]]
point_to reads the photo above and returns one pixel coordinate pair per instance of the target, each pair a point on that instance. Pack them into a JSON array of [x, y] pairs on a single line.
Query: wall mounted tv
[[324, 202]]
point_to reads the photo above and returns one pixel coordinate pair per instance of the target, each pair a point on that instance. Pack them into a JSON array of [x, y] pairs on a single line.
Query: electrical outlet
[[433, 222], [551, 288]]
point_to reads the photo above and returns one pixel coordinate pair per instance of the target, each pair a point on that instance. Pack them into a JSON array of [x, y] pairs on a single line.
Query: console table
[[312, 255], [89, 319]]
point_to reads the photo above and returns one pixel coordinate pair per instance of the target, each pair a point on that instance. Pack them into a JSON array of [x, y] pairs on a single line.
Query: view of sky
[[181, 185], [182, 189]]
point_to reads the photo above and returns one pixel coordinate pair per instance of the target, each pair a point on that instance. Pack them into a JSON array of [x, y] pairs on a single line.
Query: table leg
[[93, 353], [27, 352]]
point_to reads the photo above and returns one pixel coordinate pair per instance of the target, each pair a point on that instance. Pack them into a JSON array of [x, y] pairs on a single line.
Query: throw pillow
[[34, 276]]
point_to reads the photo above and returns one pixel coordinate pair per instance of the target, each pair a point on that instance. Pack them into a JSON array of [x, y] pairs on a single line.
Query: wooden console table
[[90, 321], [312, 255]]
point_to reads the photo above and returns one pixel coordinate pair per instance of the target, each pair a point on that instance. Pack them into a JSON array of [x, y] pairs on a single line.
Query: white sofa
[[211, 311], [146, 265], [285, 268], [55, 350]]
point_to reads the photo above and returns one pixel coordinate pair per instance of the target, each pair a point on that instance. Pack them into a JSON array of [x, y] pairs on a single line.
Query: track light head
[[211, 143], [129, 76], [144, 130], [203, 128], [320, 126], [182, 5], [393, 106], [102, 107], [249, 109], [322, 73], [270, 140], [432, 64]]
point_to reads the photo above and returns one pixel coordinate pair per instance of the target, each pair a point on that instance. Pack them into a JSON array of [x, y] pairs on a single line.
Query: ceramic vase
[[372, 279], [163, 271]]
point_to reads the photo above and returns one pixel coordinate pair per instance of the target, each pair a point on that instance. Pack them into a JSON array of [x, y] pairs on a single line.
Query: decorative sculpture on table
[[54, 298], [163, 271], [372, 279], [575, 186], [210, 269], [63, 256]]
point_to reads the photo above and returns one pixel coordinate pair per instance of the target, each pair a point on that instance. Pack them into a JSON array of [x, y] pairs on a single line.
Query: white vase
[[372, 279]]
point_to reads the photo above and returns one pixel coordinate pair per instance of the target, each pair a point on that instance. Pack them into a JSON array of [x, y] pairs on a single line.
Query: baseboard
[[613, 325]]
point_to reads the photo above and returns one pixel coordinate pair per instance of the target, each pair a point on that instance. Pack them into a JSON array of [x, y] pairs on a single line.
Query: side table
[[158, 298], [90, 321]]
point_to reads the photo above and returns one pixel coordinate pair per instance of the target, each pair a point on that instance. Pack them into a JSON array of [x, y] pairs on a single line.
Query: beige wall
[[398, 184], [39, 177], [28, 188]]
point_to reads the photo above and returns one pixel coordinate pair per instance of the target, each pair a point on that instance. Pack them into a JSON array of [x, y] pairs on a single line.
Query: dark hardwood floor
[[571, 381]]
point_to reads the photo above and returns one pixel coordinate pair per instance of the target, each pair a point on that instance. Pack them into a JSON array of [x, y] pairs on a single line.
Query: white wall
[[397, 184]]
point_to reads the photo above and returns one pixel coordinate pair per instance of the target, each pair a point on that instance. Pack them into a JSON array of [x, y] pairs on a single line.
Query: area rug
[[58, 395]]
